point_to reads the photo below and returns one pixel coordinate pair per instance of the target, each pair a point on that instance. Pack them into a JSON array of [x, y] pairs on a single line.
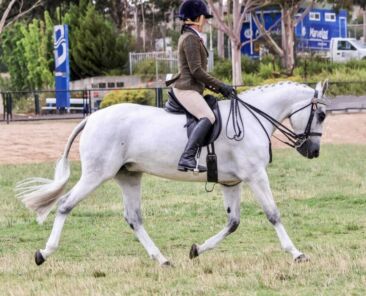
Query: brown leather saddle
[[173, 106]]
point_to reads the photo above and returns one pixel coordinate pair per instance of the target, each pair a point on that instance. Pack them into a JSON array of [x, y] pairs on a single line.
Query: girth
[[173, 106]]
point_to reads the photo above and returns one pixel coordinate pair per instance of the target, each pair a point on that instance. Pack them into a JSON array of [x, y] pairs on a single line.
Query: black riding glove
[[226, 90]]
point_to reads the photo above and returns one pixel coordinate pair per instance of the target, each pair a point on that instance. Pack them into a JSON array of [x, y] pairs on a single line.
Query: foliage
[[28, 54], [143, 97], [95, 46], [147, 69], [222, 69]]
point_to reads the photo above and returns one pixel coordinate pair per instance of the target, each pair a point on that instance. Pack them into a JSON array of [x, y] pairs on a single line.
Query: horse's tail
[[40, 194]]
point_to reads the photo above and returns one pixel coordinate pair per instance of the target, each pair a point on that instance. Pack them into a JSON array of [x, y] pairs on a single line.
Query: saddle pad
[[173, 106]]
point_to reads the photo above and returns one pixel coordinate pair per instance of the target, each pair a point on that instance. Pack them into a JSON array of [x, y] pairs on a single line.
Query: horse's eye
[[321, 116]]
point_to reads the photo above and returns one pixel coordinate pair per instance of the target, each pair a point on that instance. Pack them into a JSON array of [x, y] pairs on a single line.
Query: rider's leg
[[197, 106]]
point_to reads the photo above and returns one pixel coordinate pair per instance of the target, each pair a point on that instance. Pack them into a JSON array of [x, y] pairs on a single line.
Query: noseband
[[301, 138], [294, 140]]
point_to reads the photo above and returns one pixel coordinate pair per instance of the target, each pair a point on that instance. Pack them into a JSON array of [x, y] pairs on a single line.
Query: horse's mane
[[274, 86]]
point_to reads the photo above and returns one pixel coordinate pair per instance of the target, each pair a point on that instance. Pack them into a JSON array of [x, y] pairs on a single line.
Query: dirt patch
[[42, 141]]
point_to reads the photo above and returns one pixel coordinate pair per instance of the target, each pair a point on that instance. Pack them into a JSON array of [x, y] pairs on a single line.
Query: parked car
[[345, 49]]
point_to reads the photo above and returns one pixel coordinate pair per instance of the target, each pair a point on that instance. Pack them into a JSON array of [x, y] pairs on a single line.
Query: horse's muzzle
[[309, 149]]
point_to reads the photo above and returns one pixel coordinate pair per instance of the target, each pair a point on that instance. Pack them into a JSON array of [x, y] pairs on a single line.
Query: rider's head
[[194, 12]]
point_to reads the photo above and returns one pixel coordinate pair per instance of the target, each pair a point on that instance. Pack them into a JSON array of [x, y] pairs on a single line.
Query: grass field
[[323, 207]]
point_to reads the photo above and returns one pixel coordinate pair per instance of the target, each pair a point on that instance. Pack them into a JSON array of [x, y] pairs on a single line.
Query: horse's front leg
[[232, 207], [259, 184]]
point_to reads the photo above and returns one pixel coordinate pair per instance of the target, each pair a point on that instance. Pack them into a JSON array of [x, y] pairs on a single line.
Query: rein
[[294, 140]]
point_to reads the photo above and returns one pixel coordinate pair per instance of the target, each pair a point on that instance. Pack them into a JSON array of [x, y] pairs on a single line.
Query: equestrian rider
[[193, 78]]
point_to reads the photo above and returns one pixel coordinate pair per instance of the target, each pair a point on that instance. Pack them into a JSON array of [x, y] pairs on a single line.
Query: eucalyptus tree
[[232, 25], [292, 12], [12, 10]]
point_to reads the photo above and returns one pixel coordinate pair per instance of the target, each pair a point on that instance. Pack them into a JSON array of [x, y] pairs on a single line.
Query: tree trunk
[[288, 42], [236, 63], [364, 25], [220, 35]]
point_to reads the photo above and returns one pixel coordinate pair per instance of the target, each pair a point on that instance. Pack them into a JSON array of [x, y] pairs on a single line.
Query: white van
[[345, 49]]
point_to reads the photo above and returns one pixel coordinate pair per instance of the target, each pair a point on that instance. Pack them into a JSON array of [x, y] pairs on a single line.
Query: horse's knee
[[233, 225], [133, 219], [273, 217]]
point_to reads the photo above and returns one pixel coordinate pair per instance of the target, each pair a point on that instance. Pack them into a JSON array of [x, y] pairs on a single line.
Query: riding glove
[[226, 90]]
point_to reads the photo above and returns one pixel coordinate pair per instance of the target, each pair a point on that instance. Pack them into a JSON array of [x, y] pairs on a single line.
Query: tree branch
[[21, 14], [6, 14], [266, 34], [221, 24], [305, 13]]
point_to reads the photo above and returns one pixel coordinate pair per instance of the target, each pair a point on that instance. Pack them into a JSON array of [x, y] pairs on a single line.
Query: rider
[[193, 78]]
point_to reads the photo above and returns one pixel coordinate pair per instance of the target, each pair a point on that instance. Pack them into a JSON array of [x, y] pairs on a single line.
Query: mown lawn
[[323, 207]]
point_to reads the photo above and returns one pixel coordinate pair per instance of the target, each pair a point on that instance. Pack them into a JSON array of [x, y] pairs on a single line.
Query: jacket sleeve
[[192, 50]]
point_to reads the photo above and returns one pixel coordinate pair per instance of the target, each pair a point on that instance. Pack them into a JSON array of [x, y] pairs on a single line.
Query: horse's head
[[307, 120]]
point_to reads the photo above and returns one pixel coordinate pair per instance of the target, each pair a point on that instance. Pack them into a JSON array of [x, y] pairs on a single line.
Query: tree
[[96, 48], [362, 4], [13, 56], [232, 26], [12, 10], [28, 53], [289, 20]]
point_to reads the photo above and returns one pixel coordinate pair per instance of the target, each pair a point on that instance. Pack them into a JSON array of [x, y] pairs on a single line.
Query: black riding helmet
[[192, 9]]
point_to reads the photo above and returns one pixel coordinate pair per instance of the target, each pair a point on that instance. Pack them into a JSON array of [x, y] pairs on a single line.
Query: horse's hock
[[43, 141]]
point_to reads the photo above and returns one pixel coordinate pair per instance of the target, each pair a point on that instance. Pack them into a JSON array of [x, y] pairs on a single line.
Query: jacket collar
[[194, 32]]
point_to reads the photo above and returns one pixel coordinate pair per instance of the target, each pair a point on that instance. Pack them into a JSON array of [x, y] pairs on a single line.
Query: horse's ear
[[319, 87], [325, 86]]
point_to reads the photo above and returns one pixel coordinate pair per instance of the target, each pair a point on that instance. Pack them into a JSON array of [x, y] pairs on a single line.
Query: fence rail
[[35, 101]]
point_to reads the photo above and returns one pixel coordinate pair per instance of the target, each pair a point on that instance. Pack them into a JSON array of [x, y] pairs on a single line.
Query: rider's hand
[[226, 90]]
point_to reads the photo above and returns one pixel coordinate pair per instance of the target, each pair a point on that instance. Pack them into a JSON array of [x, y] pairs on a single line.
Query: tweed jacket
[[192, 58]]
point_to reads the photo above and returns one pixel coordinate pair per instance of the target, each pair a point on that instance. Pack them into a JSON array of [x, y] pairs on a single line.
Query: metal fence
[[41, 105], [168, 59]]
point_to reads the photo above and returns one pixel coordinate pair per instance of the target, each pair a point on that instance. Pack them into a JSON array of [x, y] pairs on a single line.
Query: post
[[37, 108], [90, 101], [9, 107], [159, 97]]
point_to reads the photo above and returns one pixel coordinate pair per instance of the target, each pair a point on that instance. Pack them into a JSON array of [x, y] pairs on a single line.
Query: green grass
[[323, 207]]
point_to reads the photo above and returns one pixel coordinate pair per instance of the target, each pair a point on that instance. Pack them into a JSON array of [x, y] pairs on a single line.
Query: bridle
[[294, 140]]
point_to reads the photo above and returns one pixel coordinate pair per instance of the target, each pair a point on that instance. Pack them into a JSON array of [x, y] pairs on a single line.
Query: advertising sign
[[62, 68]]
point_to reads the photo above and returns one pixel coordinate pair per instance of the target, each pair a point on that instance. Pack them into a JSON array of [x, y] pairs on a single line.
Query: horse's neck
[[278, 102]]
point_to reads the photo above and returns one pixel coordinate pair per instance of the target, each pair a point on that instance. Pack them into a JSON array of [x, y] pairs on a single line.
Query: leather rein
[[293, 140]]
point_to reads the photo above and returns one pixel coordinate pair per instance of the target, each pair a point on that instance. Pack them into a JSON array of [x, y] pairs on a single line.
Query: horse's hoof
[[167, 264], [39, 258], [193, 253], [302, 258]]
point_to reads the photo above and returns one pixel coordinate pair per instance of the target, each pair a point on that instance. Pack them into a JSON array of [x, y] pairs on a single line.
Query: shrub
[[266, 71], [222, 69], [249, 65], [143, 97], [251, 79]]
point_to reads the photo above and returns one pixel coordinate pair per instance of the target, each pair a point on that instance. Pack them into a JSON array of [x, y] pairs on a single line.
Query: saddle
[[173, 106]]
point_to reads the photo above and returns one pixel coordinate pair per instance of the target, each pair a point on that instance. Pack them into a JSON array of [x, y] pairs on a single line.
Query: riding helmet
[[192, 9]]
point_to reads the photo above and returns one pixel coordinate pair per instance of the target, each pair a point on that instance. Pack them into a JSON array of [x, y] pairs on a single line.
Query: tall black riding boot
[[187, 161]]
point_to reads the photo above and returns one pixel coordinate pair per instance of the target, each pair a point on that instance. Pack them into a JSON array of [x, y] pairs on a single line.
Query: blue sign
[[62, 68], [314, 32]]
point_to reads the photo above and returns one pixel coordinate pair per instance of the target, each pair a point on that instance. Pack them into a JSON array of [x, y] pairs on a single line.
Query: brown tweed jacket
[[192, 58]]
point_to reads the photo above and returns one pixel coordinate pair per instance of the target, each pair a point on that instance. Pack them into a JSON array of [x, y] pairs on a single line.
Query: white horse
[[126, 140]]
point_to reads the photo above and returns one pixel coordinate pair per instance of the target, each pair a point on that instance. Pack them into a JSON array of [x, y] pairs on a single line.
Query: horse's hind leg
[[262, 192], [131, 189], [232, 207], [80, 191]]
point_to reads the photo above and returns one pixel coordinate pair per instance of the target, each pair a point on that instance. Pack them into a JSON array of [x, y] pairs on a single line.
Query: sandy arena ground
[[42, 141]]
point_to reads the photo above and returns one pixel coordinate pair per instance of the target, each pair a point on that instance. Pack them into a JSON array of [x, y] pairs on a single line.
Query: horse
[[124, 141]]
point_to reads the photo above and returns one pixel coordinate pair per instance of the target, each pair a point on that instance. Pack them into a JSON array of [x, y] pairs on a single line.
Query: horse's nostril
[[316, 153]]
